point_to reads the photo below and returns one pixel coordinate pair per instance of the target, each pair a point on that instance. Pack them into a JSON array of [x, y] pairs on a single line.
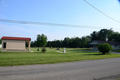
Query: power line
[[102, 12], [44, 23]]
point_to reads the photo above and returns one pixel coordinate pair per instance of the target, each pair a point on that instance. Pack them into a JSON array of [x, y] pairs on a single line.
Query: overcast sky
[[72, 12]]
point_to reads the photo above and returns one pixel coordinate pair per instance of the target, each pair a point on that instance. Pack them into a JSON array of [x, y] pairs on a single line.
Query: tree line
[[102, 35], [0, 41]]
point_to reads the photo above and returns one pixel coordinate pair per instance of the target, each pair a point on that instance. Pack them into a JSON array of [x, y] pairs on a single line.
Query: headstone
[[64, 51], [58, 48]]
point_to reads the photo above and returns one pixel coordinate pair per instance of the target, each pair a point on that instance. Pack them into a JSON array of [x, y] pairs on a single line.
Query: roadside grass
[[50, 56], [116, 50]]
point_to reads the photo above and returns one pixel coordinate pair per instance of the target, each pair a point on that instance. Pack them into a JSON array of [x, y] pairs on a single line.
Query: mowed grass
[[116, 50], [51, 56]]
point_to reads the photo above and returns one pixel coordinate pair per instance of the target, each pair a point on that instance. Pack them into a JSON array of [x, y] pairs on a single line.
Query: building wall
[[14, 44], [0, 45], [95, 47], [115, 46]]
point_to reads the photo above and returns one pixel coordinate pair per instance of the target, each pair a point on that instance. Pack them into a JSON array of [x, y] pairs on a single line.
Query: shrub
[[104, 48], [38, 49], [43, 49]]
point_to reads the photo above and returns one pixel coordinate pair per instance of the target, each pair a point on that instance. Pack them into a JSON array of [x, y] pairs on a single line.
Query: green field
[[116, 50], [51, 56]]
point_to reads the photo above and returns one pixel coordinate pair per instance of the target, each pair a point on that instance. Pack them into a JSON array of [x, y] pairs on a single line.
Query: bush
[[38, 49], [43, 49], [104, 48]]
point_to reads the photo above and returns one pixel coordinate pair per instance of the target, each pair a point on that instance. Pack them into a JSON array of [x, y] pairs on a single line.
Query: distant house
[[14, 44], [115, 45]]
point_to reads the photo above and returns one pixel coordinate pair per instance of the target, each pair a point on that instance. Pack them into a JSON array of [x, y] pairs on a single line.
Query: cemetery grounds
[[52, 55]]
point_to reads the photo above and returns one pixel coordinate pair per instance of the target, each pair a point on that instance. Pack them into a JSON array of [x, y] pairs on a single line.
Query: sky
[[72, 12]]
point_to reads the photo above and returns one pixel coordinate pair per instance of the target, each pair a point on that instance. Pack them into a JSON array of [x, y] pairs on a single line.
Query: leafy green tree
[[115, 37], [58, 43], [33, 44], [0, 41], [49, 44], [84, 41], [94, 35], [72, 43], [41, 40], [104, 34], [66, 42]]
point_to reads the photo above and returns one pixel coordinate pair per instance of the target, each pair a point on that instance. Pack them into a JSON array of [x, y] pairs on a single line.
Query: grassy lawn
[[51, 56], [116, 50]]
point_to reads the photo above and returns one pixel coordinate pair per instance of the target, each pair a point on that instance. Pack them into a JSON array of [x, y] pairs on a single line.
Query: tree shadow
[[82, 51], [94, 54]]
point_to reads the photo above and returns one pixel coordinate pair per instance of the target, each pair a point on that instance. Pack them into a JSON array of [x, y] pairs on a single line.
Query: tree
[[66, 42], [33, 43], [0, 41], [41, 40], [94, 35], [72, 43], [77, 42], [115, 37], [104, 48], [49, 44], [104, 34], [84, 41]]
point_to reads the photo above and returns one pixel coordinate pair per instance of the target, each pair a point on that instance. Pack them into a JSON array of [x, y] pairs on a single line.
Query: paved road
[[116, 52], [81, 70]]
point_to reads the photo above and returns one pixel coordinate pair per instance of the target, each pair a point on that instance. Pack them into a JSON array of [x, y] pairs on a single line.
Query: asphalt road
[[105, 69]]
